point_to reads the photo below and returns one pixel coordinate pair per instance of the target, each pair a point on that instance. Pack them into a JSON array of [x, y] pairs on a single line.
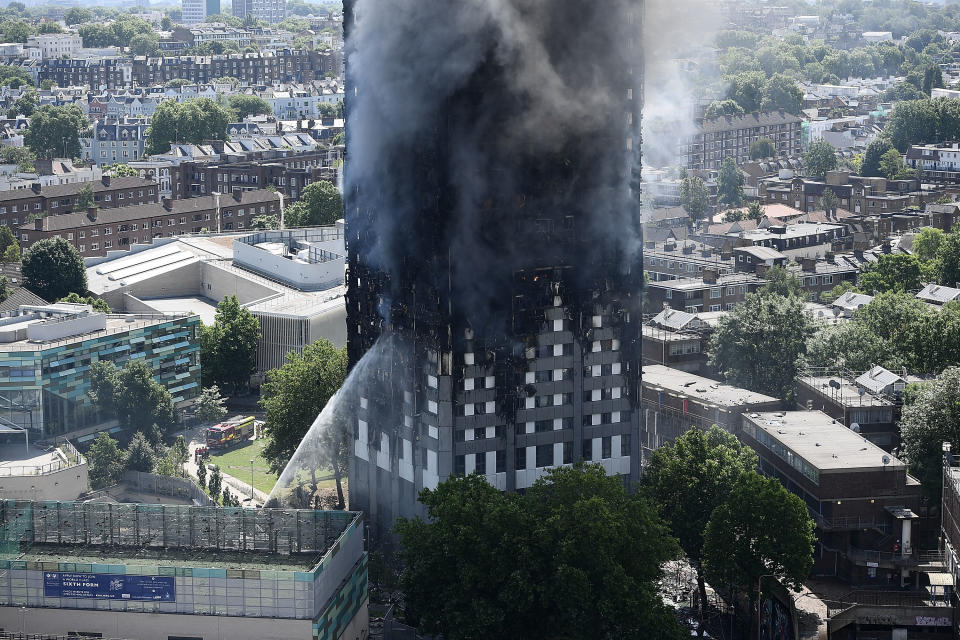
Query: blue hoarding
[[104, 586]]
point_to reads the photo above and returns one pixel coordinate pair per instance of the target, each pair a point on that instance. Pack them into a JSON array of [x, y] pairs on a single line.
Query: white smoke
[[677, 35]]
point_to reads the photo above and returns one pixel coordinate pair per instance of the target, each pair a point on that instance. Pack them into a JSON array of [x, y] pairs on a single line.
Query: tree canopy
[[930, 418], [244, 105], [694, 196], [98, 304], [762, 148], [228, 349], [133, 396], [320, 204], [292, 398], [872, 156], [193, 120], [54, 132], [575, 557], [105, 462], [892, 272], [730, 183], [820, 158], [688, 479], [52, 268], [760, 529], [757, 344], [211, 406]]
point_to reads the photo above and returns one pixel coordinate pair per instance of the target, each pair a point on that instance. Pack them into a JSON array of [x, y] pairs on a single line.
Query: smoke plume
[[501, 132]]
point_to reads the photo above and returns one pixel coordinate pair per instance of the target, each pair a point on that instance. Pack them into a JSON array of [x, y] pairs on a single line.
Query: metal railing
[[67, 456], [849, 523], [870, 598]]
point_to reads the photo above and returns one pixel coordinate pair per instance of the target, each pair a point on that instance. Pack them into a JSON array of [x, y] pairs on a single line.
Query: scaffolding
[[197, 531]]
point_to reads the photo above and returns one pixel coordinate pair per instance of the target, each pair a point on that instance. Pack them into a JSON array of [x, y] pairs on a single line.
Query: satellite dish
[[885, 459], [855, 427]]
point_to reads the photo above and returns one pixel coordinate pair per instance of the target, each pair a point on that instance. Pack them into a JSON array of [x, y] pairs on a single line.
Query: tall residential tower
[[494, 268]]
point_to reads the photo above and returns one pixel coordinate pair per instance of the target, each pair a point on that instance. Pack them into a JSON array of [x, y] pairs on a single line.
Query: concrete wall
[[178, 282], [66, 484], [308, 277], [331, 325], [218, 283]]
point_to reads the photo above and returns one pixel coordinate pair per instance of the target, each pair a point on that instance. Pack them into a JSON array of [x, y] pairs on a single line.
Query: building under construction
[[151, 571], [494, 250]]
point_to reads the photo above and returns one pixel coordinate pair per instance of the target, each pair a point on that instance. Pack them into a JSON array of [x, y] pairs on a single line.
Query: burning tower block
[[494, 249]]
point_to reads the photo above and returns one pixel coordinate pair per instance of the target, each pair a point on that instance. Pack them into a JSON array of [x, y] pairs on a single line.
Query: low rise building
[[731, 136], [20, 206], [161, 571], [857, 194], [55, 471], [677, 339], [97, 231], [865, 504], [45, 352], [673, 401], [55, 45]]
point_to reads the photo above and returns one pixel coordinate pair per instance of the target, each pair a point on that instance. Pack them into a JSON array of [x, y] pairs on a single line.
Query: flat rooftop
[[823, 442], [198, 558], [672, 380], [16, 457], [197, 305], [844, 392], [116, 323]]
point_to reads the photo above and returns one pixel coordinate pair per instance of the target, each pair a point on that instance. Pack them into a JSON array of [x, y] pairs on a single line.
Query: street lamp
[[251, 482]]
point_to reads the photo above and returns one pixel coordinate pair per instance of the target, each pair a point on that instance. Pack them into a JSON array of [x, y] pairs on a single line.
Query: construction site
[[114, 568]]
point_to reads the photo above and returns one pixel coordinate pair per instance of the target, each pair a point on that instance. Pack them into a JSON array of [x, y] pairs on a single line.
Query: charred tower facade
[[494, 268]]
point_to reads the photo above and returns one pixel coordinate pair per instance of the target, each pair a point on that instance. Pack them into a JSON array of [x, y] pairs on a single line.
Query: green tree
[[781, 282], [20, 156], [166, 23], [493, 561], [763, 148], [757, 344], [105, 462], [140, 455], [829, 201], [932, 79], [85, 197], [828, 297], [194, 120], [15, 30], [13, 76], [265, 223], [930, 418], [746, 89], [98, 304], [247, 105], [180, 452], [49, 27], [142, 403], [211, 407], [202, 474], [688, 479], [891, 272], [782, 92], [227, 499], [9, 247], [761, 529], [24, 105], [216, 483], [726, 107], [292, 398], [893, 167], [122, 170], [77, 15], [145, 44], [730, 183], [52, 268], [820, 158], [320, 204], [694, 197], [927, 243], [54, 132], [755, 211], [946, 265], [228, 349]]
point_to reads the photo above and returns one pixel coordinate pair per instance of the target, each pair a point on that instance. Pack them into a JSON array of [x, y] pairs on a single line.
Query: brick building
[[289, 175], [98, 231], [857, 194], [731, 137], [19, 205]]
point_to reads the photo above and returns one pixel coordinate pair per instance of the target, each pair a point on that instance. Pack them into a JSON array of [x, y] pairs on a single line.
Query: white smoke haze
[[674, 30]]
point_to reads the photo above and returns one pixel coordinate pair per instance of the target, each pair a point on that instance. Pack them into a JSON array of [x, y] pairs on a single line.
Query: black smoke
[[491, 143]]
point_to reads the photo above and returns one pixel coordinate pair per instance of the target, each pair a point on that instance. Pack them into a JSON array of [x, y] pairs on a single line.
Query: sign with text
[[111, 587]]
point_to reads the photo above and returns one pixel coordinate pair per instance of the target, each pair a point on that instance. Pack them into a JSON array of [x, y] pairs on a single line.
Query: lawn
[[236, 462]]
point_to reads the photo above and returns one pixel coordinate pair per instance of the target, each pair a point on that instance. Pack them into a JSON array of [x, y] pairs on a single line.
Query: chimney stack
[[38, 224], [105, 180], [35, 187], [238, 195], [167, 203], [710, 275], [808, 264], [92, 213]]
